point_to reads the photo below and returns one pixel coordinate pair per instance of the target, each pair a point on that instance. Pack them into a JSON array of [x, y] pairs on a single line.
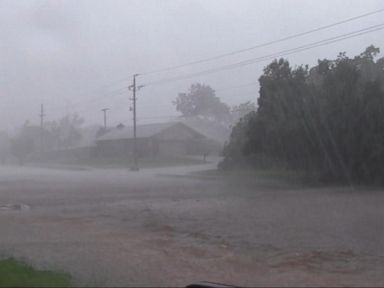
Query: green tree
[[25, 143], [328, 119], [64, 133], [240, 111], [5, 145], [201, 101]]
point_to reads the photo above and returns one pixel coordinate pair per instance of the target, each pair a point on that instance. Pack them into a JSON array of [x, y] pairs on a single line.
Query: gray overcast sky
[[72, 55]]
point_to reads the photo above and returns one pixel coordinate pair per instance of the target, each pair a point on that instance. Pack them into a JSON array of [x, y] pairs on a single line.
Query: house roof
[[208, 129], [143, 131]]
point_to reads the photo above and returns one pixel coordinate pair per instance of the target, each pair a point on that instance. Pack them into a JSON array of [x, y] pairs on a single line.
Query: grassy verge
[[143, 163], [253, 177], [117, 163], [14, 273]]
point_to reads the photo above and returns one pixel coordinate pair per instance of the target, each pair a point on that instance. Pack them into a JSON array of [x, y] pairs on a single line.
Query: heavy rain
[[191, 143]]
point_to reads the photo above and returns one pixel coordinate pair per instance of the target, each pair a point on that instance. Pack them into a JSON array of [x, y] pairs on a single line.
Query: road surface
[[169, 227]]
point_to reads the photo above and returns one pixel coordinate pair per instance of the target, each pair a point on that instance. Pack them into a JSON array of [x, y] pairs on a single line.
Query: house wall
[[204, 146], [176, 133], [113, 148], [145, 147], [124, 148], [176, 140], [172, 148]]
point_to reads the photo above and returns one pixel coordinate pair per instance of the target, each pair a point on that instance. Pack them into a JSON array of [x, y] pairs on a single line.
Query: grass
[[257, 177], [14, 273], [143, 162]]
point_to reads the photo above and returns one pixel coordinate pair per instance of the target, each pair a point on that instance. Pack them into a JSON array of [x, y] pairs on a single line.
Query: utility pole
[[105, 117], [41, 129], [133, 87]]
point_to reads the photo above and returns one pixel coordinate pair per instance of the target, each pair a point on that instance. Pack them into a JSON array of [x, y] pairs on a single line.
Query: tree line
[[327, 120], [30, 140]]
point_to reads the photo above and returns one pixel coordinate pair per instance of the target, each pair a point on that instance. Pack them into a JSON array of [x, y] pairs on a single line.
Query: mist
[[68, 54], [164, 143]]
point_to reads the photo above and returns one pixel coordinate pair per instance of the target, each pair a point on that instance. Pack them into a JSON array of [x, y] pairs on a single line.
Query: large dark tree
[[240, 111], [328, 119]]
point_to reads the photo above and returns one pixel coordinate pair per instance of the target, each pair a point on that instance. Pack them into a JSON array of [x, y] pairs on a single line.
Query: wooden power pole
[[135, 166], [105, 117], [42, 129]]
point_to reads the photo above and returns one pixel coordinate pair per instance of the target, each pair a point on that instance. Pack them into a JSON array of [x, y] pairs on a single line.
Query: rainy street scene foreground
[[191, 143], [177, 226]]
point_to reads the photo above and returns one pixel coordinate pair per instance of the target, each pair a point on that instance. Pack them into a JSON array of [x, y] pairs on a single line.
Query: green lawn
[[143, 163], [14, 273]]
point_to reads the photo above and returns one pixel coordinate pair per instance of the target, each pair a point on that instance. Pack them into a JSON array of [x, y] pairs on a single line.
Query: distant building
[[215, 133], [153, 140]]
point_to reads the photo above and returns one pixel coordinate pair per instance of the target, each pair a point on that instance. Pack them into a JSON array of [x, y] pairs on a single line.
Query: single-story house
[[153, 140]]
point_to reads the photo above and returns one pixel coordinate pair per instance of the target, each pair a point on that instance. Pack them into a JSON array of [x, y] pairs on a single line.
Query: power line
[[261, 59], [249, 48], [119, 92], [113, 93], [256, 60], [252, 60], [263, 44], [225, 89], [42, 115], [120, 107], [221, 90], [274, 55], [254, 94], [159, 117]]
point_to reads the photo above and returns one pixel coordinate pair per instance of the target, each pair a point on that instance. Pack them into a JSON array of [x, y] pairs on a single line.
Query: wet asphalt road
[[169, 227]]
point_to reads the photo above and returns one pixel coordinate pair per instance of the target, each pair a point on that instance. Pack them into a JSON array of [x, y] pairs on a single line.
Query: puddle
[[14, 207]]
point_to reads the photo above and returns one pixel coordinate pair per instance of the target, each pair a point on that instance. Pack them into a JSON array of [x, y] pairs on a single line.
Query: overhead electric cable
[[209, 59], [273, 55]]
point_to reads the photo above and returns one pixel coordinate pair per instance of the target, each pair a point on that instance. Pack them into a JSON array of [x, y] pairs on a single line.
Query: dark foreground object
[[205, 284]]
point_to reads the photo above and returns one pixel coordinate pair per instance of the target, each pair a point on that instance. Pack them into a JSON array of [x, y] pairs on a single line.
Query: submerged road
[[170, 227]]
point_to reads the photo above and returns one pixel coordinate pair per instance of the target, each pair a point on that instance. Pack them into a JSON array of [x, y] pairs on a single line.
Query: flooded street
[[165, 143], [123, 228]]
